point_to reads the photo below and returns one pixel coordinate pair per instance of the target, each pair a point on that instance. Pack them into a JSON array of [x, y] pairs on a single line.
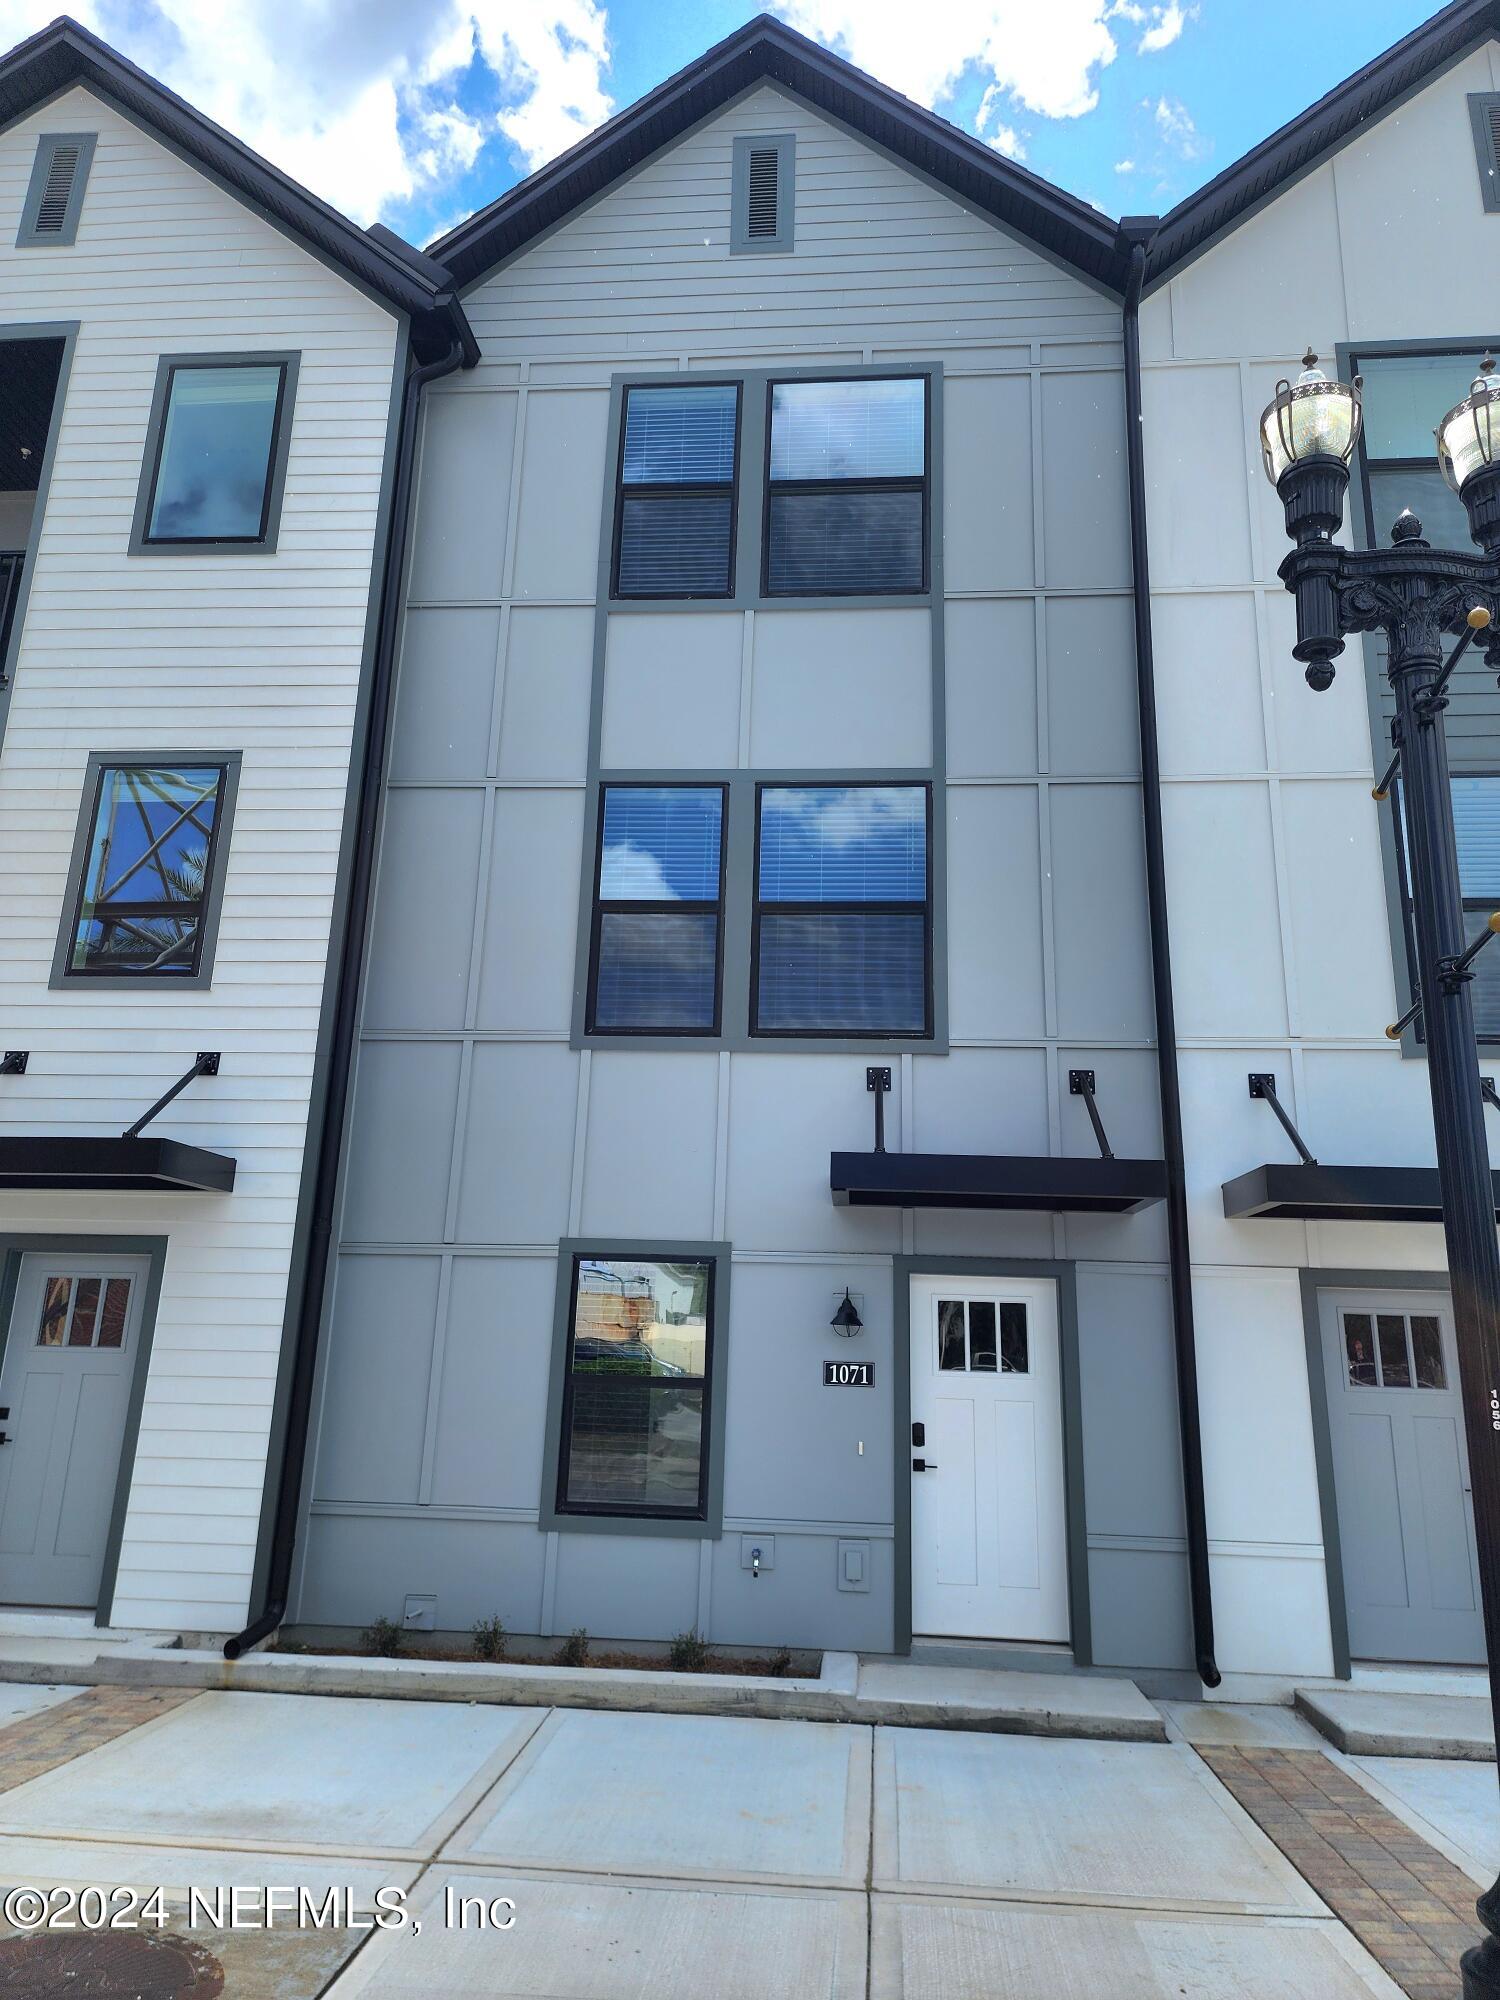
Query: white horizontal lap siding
[[880, 256], [1281, 953], [257, 654]]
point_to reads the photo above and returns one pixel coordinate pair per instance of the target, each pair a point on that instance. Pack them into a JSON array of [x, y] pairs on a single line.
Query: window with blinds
[[657, 910], [847, 488], [1476, 822], [842, 939], [675, 505]]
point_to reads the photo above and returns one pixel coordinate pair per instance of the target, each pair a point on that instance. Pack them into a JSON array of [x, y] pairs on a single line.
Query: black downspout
[[341, 1042], [1179, 1255]]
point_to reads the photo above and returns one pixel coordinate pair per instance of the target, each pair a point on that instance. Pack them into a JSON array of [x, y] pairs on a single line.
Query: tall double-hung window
[[657, 929], [1404, 395], [842, 931], [846, 500], [674, 521]]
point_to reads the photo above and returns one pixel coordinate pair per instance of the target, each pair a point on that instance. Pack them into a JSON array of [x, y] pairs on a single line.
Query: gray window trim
[[16, 1245], [288, 358], [738, 872], [1481, 103], [1362, 531], [46, 146], [1064, 1273], [740, 831], [751, 480], [741, 242], [214, 892], [1313, 1282], [709, 1528]]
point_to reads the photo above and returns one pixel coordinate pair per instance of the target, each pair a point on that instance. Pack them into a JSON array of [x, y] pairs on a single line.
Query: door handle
[[923, 1465], [5, 1437]]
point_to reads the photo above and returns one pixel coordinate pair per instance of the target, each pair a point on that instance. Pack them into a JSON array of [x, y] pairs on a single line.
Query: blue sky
[[417, 114]]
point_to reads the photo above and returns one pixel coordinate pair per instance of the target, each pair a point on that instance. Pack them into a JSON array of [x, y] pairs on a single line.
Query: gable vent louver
[[761, 214], [1484, 116], [52, 209]]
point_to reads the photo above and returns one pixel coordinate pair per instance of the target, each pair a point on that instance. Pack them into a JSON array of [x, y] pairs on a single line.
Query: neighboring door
[[70, 1354], [1401, 1477], [988, 1508]]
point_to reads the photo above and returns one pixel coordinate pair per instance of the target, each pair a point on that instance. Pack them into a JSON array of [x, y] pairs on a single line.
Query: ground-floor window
[[637, 1367]]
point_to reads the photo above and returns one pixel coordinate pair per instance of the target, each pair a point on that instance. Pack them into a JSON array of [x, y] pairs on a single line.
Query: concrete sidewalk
[[660, 1857]]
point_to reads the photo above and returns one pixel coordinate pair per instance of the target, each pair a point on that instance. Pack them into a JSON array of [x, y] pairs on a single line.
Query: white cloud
[[1165, 28], [1177, 129], [358, 99], [1007, 140], [1124, 166], [1045, 59], [633, 874]]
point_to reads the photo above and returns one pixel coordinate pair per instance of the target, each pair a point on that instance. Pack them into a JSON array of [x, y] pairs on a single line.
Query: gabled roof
[[767, 51], [1288, 154], [65, 54]]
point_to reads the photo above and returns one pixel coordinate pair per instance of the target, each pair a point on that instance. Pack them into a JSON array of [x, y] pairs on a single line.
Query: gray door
[[70, 1353], [1401, 1477]]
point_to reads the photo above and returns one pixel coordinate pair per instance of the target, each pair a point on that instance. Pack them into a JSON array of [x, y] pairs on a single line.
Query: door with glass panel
[[70, 1354], [1401, 1477], [988, 1506]]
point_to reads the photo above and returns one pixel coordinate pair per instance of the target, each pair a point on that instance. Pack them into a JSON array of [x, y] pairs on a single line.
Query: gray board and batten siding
[[486, 1129]]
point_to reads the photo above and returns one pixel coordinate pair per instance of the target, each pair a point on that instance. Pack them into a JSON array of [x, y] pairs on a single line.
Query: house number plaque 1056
[[848, 1375]]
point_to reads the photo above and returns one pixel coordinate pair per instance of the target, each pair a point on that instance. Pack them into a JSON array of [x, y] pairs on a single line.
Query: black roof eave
[[65, 54], [1269, 169], [766, 50]]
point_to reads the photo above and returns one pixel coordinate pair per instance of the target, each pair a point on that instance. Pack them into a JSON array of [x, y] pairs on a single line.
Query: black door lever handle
[[923, 1465]]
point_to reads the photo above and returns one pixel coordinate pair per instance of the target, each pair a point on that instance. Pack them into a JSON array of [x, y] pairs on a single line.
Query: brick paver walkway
[[36, 1743], [1408, 1905]]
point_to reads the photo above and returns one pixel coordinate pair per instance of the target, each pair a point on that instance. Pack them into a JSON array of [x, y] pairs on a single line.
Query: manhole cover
[[107, 1965]]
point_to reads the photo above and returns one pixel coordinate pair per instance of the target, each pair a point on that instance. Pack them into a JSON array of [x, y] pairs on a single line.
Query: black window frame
[[622, 1511], [905, 484], [845, 908], [198, 971], [677, 490], [142, 541], [600, 907]]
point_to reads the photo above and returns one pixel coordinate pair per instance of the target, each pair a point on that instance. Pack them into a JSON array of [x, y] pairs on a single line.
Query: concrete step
[[847, 1690], [1365, 1724]]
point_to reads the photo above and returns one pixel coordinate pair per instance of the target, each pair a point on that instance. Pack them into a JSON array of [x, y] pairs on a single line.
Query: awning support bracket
[[1263, 1084], [205, 1064], [14, 1061], [1488, 1091], [878, 1080], [1081, 1084]]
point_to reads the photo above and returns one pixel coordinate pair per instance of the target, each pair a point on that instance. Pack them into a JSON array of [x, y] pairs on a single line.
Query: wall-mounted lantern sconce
[[846, 1321]]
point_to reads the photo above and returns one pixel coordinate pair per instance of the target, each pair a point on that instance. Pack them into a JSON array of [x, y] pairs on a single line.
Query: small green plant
[[689, 1653], [490, 1636], [574, 1651], [781, 1662], [384, 1636]]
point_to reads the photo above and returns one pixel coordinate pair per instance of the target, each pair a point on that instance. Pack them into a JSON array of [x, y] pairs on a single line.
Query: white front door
[[988, 1509]]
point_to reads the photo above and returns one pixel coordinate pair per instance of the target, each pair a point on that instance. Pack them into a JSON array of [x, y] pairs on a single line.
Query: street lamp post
[[1416, 595]]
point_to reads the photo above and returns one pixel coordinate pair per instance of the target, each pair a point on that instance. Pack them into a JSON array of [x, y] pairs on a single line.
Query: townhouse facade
[[754, 851], [202, 372], [699, 705], [1336, 1466]]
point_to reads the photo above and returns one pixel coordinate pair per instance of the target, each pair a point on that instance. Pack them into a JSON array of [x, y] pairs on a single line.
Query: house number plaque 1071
[[848, 1375]]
